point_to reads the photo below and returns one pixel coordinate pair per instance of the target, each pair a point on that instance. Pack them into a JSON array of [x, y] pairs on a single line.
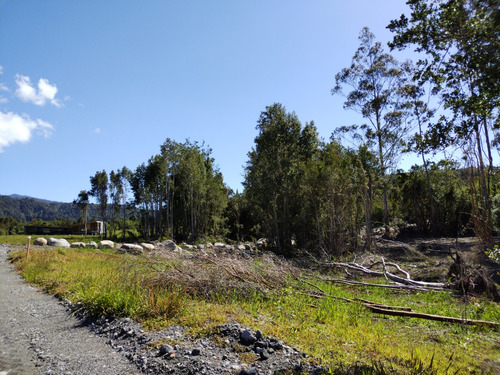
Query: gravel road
[[39, 336]]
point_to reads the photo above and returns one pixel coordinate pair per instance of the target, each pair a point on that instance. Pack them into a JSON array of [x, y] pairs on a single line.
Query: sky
[[97, 85]]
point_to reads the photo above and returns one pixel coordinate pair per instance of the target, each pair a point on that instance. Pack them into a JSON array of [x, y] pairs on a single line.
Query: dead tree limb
[[448, 319], [388, 286], [387, 274]]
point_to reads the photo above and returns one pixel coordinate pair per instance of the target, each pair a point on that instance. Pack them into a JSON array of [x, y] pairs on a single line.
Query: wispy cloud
[[28, 93], [19, 128], [97, 131]]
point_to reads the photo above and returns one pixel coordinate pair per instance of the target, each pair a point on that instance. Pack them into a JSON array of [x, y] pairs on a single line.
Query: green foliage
[[99, 190], [26, 209], [335, 333], [275, 171], [180, 193], [10, 225]]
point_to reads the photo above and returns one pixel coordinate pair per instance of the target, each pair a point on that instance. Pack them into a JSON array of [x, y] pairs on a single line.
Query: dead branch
[[228, 271], [387, 274], [388, 286], [448, 319]]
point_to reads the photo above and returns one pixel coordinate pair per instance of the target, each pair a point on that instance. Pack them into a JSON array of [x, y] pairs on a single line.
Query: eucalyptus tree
[[372, 81], [99, 190], [459, 41], [82, 202], [118, 189], [274, 171]]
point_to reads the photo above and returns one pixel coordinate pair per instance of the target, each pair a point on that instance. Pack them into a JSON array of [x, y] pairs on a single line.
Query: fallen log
[[440, 318]]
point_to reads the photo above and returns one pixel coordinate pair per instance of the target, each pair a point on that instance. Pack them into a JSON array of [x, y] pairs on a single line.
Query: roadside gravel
[[39, 336]]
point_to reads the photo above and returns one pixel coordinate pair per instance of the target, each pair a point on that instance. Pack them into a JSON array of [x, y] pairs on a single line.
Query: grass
[[201, 293]]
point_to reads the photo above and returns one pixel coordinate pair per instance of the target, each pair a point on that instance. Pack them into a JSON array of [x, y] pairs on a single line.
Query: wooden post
[[28, 249]]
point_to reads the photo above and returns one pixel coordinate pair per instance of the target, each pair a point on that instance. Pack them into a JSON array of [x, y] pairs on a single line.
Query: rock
[[131, 248], [106, 244], [78, 244], [258, 334], [247, 337], [91, 245], [195, 352], [188, 247], [219, 245], [264, 354], [261, 243], [170, 245], [147, 246], [250, 371], [40, 242], [166, 349], [58, 242], [241, 247]]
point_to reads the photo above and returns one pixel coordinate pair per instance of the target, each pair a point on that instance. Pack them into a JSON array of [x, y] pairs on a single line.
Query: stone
[[261, 243], [130, 248], [264, 354], [170, 245], [166, 349], [40, 242], [106, 244], [92, 245], [188, 247], [78, 244], [195, 352], [147, 246], [58, 242], [247, 337]]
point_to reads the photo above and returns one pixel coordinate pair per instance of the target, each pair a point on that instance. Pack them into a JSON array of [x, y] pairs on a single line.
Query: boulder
[[131, 248], [40, 242], [78, 244], [106, 244], [186, 246], [147, 246], [92, 245], [170, 245], [58, 242]]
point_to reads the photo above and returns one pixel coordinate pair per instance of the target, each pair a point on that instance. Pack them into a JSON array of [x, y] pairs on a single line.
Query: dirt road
[[39, 336]]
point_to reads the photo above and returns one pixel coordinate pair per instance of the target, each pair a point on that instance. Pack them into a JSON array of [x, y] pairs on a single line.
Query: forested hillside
[[27, 209]]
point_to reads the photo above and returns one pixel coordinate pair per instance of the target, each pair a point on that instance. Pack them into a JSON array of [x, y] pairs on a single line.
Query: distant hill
[[24, 209]]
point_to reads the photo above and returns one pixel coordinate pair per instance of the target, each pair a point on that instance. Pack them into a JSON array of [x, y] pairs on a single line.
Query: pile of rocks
[[247, 249], [231, 348]]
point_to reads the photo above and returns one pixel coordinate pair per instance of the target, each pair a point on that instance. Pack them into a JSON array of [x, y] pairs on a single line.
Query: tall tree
[[460, 44], [273, 171], [99, 190], [373, 79], [82, 202]]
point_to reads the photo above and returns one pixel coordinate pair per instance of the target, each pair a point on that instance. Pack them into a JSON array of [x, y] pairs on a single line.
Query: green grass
[[337, 334]]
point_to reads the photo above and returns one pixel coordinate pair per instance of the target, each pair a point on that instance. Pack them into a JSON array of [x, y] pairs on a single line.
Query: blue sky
[[93, 85]]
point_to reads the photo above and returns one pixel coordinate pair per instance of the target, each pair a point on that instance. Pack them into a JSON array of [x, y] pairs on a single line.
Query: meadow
[[297, 304]]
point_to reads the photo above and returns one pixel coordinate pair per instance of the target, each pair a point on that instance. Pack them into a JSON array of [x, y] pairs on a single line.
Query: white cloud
[[45, 93], [1, 70], [19, 128], [97, 131]]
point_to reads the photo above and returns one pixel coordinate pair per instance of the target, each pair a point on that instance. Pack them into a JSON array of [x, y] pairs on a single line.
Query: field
[[300, 302]]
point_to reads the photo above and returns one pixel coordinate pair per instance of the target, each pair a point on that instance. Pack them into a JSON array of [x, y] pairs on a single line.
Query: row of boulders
[[139, 248]]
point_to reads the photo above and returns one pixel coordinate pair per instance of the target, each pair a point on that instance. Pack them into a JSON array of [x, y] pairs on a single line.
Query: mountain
[[24, 209]]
